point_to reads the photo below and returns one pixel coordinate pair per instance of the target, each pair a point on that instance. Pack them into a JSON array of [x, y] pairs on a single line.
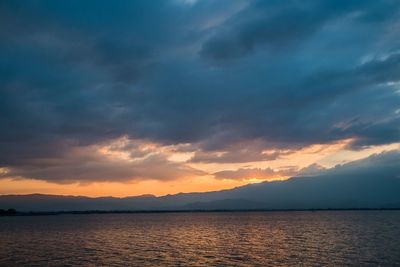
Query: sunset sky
[[121, 98]]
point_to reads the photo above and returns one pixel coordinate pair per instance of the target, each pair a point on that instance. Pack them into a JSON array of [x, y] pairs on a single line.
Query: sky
[[158, 97]]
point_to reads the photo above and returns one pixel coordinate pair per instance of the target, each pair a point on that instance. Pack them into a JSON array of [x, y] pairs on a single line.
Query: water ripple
[[334, 238]]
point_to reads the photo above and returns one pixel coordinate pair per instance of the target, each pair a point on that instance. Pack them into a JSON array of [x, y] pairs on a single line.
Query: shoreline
[[52, 213]]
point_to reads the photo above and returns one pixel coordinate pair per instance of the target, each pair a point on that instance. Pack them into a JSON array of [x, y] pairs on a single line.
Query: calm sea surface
[[367, 238]]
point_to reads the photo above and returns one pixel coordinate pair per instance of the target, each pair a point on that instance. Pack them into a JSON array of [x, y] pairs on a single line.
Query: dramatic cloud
[[227, 81], [279, 26], [249, 151], [120, 161]]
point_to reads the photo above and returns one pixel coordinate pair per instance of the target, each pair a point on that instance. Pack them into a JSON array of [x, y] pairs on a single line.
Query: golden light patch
[[327, 155]]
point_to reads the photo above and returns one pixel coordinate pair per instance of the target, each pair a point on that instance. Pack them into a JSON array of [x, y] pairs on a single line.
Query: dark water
[[367, 238]]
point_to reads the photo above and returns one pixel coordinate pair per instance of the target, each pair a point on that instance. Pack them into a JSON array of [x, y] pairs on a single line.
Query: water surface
[[367, 238]]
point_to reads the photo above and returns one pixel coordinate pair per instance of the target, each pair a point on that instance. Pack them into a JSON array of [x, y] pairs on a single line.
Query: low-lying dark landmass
[[8, 212], [49, 213]]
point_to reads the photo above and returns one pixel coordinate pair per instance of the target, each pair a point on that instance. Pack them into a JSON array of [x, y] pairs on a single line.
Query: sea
[[271, 238]]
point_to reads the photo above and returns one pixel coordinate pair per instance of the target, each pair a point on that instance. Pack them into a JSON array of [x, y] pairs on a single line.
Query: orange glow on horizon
[[98, 189], [325, 155]]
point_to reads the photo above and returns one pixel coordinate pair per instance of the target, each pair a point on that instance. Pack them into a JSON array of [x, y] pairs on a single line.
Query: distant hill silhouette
[[373, 182]]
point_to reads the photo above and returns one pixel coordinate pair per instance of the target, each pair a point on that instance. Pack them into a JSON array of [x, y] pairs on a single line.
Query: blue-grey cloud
[[86, 165], [276, 26], [214, 74]]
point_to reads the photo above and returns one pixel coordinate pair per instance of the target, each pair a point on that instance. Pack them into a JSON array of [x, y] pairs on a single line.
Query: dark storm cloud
[[88, 164], [215, 74], [93, 169], [276, 26]]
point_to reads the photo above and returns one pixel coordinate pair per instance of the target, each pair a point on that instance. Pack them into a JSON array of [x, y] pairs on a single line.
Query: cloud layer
[[232, 81]]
